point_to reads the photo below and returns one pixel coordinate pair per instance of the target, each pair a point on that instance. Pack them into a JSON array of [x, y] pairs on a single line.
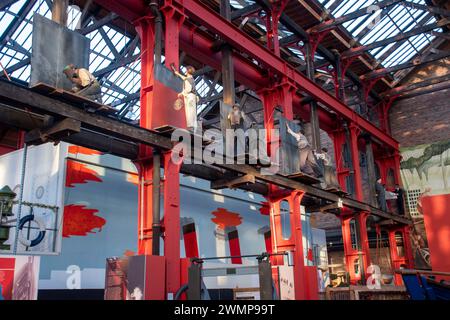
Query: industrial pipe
[[156, 223], [158, 30]]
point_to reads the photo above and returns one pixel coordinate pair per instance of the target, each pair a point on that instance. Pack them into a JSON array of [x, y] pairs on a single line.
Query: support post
[[342, 172], [145, 29], [292, 245], [350, 252], [279, 95], [194, 291], [172, 223], [363, 243], [272, 19], [354, 135], [390, 162], [339, 77], [156, 217], [400, 258], [371, 173], [357, 254], [174, 18], [148, 163], [383, 112], [229, 95], [265, 280], [59, 11], [310, 72]]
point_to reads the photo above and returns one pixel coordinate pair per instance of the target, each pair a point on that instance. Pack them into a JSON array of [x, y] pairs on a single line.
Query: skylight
[[385, 23]]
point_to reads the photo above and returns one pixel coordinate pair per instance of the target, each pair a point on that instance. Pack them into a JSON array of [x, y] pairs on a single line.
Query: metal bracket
[[55, 132], [233, 183]]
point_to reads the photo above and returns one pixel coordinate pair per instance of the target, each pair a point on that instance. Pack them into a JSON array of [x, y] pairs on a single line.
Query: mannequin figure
[[308, 162], [189, 96]]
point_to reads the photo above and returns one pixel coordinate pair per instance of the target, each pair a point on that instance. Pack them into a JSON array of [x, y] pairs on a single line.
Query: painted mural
[[19, 277], [425, 171], [427, 167], [98, 199]]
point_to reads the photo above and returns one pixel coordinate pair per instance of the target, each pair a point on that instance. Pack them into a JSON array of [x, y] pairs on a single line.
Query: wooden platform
[[304, 178], [251, 160], [72, 98], [165, 130], [339, 192]]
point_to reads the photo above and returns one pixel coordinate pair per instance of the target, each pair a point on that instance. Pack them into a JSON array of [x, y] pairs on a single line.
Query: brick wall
[[424, 118], [381, 259], [421, 120]]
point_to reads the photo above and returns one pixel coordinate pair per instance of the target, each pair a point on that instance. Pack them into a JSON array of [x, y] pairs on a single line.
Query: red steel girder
[[243, 42], [200, 13]]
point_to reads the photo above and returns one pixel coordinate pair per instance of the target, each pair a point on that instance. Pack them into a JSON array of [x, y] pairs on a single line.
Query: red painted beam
[[246, 72], [243, 42], [198, 45]]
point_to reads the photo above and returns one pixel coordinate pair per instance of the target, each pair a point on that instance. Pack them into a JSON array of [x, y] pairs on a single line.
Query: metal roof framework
[[114, 56]]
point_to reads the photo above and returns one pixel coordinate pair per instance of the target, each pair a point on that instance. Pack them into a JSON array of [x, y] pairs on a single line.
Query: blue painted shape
[[418, 287], [440, 292], [413, 286]]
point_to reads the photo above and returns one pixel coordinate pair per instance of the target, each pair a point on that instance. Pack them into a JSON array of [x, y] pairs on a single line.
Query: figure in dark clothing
[[381, 195], [400, 199], [308, 161]]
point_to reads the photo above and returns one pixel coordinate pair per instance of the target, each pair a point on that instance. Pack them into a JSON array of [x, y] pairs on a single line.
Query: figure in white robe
[[189, 96]]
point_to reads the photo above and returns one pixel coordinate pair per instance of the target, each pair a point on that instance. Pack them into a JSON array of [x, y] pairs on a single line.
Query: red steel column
[[342, 172], [145, 29], [364, 253], [405, 260], [174, 18], [282, 95], [294, 244], [364, 241], [360, 253], [354, 134], [272, 19], [351, 254], [172, 223]]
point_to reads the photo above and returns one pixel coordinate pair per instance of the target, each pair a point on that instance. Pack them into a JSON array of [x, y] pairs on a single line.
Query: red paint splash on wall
[[79, 173], [265, 208], [83, 150], [7, 266], [79, 221], [224, 218]]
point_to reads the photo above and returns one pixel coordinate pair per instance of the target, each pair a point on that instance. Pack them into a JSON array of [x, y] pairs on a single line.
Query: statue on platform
[[308, 162], [189, 96], [85, 84], [381, 195], [236, 118], [329, 172], [400, 200]]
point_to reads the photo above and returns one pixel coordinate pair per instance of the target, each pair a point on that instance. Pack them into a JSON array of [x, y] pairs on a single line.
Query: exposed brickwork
[[380, 258], [325, 221], [425, 118], [421, 120]]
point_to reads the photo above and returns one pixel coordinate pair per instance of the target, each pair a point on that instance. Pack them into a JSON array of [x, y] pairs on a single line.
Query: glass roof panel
[[122, 83], [397, 19]]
